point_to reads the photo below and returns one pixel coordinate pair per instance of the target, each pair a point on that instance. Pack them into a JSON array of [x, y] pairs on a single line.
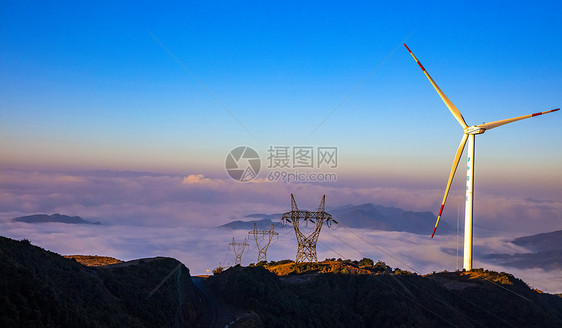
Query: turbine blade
[[495, 124], [451, 175], [456, 113]]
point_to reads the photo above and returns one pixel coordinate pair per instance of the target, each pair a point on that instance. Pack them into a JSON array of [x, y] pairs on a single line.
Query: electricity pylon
[[238, 251], [306, 251], [266, 235]]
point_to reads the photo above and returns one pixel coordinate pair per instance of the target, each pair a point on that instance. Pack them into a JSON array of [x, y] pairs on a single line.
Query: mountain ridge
[[42, 288], [56, 218], [545, 252], [361, 294], [363, 216]]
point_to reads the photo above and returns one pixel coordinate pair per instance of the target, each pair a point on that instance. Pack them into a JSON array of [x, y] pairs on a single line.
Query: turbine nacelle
[[475, 129]]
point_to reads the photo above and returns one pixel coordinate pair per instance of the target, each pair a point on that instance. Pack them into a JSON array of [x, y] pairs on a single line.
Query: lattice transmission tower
[[306, 251], [238, 250], [265, 236]]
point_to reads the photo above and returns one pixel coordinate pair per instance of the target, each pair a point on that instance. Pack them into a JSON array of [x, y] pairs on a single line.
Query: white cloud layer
[[148, 214]]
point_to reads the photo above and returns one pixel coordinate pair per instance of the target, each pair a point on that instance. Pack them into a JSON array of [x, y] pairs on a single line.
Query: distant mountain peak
[[58, 218], [546, 241], [546, 252], [363, 216], [249, 225]]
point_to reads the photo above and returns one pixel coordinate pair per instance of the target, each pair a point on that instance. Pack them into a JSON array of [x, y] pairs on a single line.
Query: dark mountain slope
[[386, 299], [42, 289], [39, 288]]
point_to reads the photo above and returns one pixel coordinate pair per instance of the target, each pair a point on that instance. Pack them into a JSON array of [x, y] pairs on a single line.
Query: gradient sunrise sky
[[90, 92], [86, 86]]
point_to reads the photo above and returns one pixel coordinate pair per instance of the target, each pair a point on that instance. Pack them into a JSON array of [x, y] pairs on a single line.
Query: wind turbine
[[469, 134]]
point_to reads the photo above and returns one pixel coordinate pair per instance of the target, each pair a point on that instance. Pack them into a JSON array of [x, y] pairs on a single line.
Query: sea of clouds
[[150, 214]]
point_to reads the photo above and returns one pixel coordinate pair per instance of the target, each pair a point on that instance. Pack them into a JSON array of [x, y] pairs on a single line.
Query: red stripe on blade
[[433, 231], [536, 114], [406, 47], [441, 210], [423, 69]]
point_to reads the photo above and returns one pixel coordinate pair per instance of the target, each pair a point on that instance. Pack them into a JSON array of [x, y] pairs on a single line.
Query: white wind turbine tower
[[469, 133]]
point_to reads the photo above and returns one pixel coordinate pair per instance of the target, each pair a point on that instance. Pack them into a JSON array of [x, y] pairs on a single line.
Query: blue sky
[[90, 87], [83, 85]]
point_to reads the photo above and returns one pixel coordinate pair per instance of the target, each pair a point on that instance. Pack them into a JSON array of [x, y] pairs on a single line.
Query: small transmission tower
[[266, 236], [306, 251], [238, 250]]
